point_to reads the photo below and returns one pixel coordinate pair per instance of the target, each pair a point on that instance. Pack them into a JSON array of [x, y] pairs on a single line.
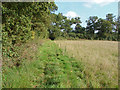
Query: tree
[[78, 29], [104, 28], [56, 26], [91, 26], [20, 20], [110, 17], [114, 22]]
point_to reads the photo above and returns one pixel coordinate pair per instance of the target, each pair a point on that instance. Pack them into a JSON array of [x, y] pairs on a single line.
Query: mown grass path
[[51, 68]]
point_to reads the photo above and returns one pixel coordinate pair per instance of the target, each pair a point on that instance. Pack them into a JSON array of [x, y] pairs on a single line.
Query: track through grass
[[51, 68]]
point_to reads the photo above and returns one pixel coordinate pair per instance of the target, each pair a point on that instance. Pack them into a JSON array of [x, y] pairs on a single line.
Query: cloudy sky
[[74, 8]]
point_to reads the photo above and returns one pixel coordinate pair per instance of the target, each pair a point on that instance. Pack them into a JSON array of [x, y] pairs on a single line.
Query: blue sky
[[86, 9]]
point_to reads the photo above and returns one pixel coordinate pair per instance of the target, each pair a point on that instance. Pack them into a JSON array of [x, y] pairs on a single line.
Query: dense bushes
[[22, 22]]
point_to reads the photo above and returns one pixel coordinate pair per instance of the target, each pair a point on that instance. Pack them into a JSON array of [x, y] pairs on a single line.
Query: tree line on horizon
[[96, 29], [24, 21]]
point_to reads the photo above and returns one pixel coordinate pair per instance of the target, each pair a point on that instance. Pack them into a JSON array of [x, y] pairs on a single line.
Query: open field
[[100, 59], [79, 64]]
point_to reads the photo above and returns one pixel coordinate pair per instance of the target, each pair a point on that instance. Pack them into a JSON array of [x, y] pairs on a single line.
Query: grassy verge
[[50, 67]]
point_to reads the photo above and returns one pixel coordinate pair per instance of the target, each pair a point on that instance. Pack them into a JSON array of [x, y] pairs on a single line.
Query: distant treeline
[[24, 21], [96, 29]]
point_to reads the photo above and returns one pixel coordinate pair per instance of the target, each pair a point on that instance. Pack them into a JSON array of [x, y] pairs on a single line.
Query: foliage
[[22, 22], [97, 28]]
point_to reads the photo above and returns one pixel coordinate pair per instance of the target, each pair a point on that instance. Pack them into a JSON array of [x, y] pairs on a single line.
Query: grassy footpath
[[50, 68]]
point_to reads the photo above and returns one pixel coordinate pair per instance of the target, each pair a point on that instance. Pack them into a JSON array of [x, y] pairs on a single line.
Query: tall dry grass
[[99, 57]]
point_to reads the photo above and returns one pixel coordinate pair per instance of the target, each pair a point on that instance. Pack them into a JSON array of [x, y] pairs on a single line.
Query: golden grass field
[[100, 59]]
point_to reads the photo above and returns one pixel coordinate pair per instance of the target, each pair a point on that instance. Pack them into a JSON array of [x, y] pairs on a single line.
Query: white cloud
[[96, 1], [71, 14], [103, 1], [90, 3]]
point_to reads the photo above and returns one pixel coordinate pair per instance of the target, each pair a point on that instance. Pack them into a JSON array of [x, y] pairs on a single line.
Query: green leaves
[[91, 24], [61, 26], [20, 18], [106, 28]]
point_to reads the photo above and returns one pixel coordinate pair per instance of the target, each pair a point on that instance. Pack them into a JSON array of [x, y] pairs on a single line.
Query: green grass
[[50, 68], [99, 57], [67, 64]]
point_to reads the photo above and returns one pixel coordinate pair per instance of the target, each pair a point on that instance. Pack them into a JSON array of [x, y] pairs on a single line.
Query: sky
[[85, 9]]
